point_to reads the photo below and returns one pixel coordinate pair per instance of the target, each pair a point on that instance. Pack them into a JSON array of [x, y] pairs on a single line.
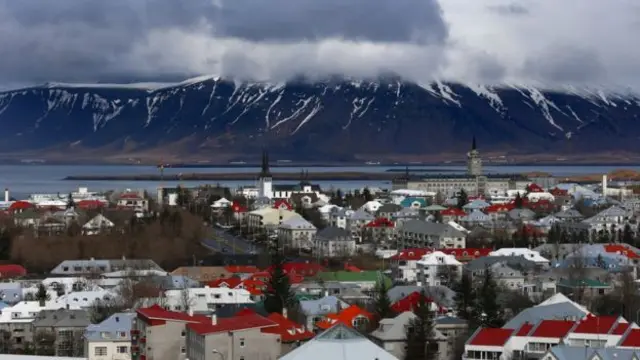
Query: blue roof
[[111, 328], [10, 293], [326, 305], [407, 202]]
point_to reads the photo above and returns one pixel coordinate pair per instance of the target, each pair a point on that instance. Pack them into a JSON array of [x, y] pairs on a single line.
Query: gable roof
[[490, 337], [552, 328]]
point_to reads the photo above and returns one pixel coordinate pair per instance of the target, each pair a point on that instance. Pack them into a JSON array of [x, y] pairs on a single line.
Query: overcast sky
[[580, 42]]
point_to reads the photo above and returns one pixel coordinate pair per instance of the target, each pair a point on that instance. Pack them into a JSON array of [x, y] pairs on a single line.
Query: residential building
[[422, 234], [60, 331], [438, 268], [296, 233], [268, 218], [159, 334], [99, 266], [366, 280], [110, 339], [312, 311], [334, 242], [236, 338]]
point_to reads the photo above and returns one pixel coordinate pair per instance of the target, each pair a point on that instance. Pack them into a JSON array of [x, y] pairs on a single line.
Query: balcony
[[135, 332], [143, 340]]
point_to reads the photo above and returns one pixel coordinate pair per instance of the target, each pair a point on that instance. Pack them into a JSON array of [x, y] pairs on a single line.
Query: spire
[[473, 143], [265, 165]]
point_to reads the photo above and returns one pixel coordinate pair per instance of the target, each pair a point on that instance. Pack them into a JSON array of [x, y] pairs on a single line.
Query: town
[[473, 266]]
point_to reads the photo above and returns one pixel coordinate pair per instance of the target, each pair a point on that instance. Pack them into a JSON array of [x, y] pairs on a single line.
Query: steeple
[[473, 143], [265, 173]]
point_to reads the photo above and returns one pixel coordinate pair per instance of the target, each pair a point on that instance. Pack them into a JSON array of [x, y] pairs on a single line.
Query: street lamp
[[215, 351]]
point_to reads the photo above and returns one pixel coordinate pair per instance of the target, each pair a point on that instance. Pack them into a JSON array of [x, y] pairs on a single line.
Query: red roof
[[346, 317], [156, 312], [418, 253], [241, 269], [380, 223], [282, 204], [235, 323], [552, 328], [621, 328], [498, 208], [288, 330], [237, 208], [524, 329], [542, 204], [632, 339], [596, 324], [558, 192], [530, 230], [491, 337], [12, 270], [410, 302], [535, 188], [90, 204], [453, 211], [411, 254], [622, 250], [21, 205]]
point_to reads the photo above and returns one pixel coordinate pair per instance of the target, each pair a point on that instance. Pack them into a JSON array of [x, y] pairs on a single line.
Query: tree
[[488, 310], [437, 217], [465, 297], [337, 198], [382, 303], [41, 294], [463, 199], [279, 294], [70, 203], [366, 194], [518, 202], [628, 237], [420, 343]]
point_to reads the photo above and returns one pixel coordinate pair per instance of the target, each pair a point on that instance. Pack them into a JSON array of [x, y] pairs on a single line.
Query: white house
[[438, 268], [528, 254], [110, 339], [203, 300], [221, 204]]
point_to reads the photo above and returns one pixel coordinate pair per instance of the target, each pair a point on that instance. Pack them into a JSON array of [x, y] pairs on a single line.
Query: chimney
[[326, 293], [6, 195], [604, 185], [285, 313], [214, 318], [190, 311]]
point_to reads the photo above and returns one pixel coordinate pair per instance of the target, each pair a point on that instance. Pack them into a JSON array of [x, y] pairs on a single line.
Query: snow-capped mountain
[[330, 120]]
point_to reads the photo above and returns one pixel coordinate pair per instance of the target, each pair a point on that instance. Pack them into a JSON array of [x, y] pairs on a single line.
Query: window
[[122, 349], [182, 333], [183, 350], [122, 334], [101, 351], [241, 343]]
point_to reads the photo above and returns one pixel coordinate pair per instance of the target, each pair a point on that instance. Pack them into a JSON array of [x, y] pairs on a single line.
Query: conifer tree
[[41, 294], [70, 203], [382, 303], [420, 344], [488, 313], [465, 297], [279, 295], [463, 199], [518, 202], [366, 194], [628, 236]]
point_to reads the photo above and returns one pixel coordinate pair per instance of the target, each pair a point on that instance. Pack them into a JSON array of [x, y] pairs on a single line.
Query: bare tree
[[577, 273], [186, 301]]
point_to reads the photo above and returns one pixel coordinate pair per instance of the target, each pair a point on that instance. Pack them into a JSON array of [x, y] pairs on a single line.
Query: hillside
[[342, 120]]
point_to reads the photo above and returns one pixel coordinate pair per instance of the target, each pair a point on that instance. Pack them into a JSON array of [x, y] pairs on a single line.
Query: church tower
[[474, 161], [265, 181]]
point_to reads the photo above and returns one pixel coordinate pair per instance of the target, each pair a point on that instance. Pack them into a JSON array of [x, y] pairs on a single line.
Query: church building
[[304, 190]]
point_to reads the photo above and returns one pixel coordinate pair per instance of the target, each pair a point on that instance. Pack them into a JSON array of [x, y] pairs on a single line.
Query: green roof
[[348, 276], [592, 283]]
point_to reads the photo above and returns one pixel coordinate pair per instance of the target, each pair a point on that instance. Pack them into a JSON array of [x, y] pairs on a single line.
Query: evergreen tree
[[465, 297], [366, 194], [518, 202], [437, 217], [279, 295], [628, 236], [463, 199], [70, 203], [41, 294], [337, 198], [382, 303], [487, 310], [420, 344]]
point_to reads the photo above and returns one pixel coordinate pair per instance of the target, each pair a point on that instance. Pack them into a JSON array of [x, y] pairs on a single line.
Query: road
[[223, 241]]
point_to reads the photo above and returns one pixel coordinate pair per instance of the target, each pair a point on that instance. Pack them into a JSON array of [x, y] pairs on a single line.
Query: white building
[[528, 254], [438, 268], [200, 300], [111, 339]]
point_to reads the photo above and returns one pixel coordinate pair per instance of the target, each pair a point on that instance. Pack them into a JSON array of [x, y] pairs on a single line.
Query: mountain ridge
[[333, 120]]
